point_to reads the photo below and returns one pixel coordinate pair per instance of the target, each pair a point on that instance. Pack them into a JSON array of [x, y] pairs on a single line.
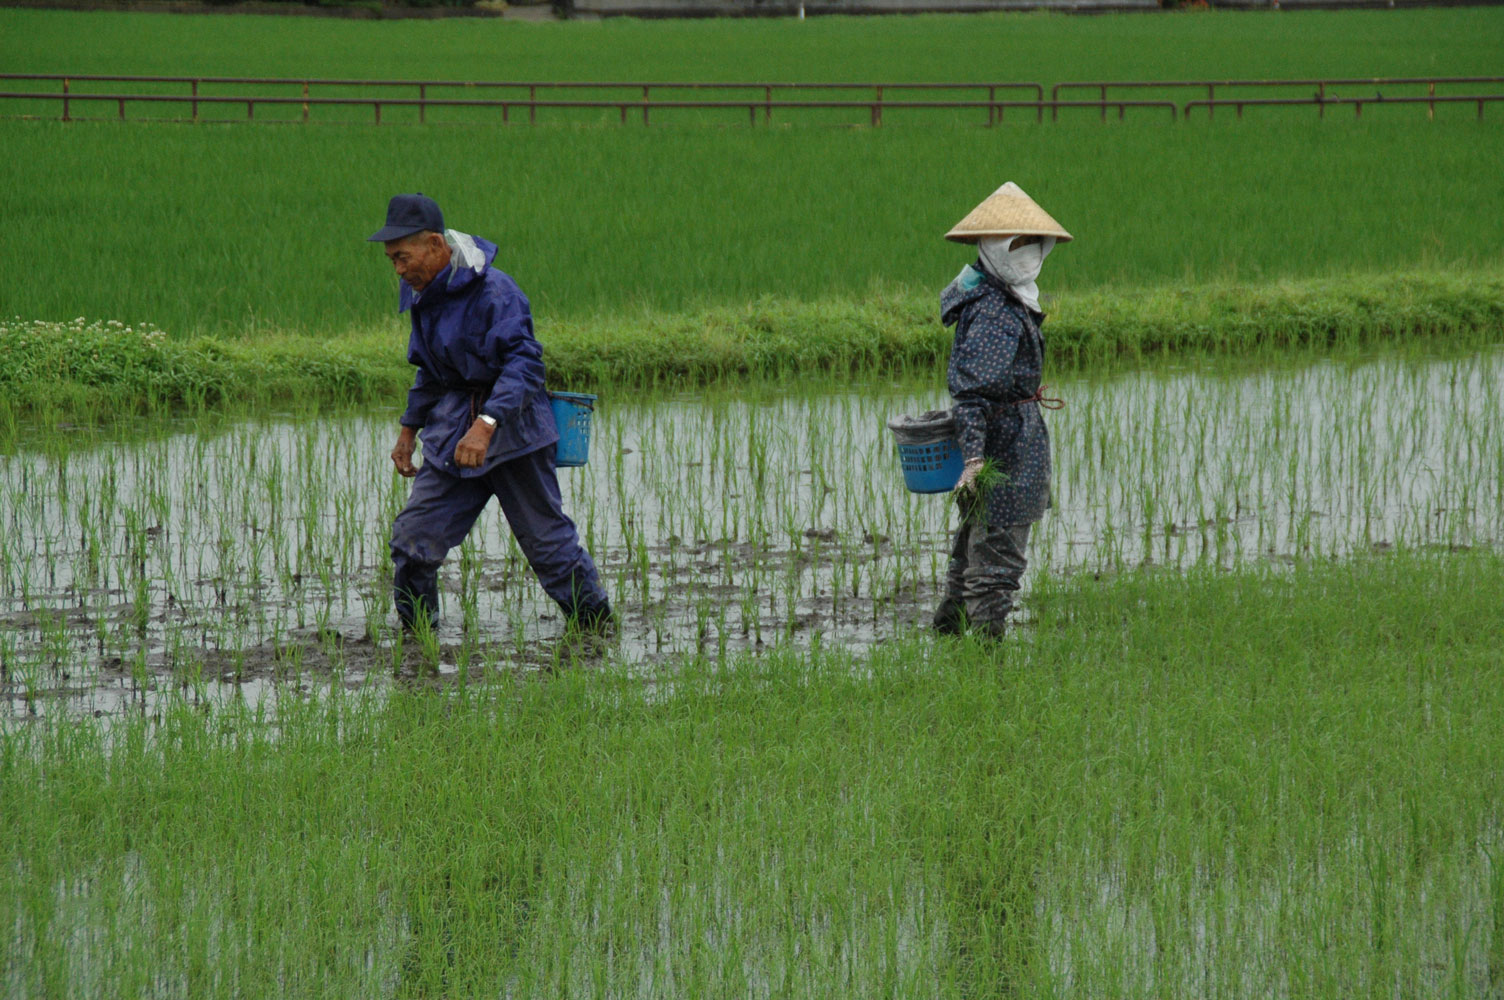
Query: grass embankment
[[1252, 783], [82, 371]]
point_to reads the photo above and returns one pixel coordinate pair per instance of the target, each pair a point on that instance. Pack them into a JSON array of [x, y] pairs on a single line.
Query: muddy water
[[222, 561]]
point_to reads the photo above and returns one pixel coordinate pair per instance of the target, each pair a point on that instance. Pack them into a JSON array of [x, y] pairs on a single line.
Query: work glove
[[966, 486]]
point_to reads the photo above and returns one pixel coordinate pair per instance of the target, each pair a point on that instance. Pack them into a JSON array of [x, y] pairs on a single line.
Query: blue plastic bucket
[[572, 412], [931, 468]]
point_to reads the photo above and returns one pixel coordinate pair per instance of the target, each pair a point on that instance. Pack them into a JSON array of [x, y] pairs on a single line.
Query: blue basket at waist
[[572, 412], [931, 468], [929, 451]]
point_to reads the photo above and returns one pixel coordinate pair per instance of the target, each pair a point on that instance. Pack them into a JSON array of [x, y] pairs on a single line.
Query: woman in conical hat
[[994, 378]]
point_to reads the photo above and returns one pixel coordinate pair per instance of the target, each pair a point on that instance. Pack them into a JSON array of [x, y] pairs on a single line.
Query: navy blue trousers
[[443, 508]]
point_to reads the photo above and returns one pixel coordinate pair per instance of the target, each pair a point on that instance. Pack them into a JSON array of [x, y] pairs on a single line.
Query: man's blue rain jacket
[[473, 343]]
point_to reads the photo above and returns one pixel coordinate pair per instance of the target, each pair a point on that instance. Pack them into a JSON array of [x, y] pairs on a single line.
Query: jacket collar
[[971, 284]]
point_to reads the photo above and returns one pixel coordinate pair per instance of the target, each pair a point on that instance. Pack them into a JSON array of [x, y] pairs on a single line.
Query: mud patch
[[100, 654]]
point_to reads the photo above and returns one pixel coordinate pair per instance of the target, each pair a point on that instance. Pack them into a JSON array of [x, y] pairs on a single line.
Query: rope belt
[[1045, 402]]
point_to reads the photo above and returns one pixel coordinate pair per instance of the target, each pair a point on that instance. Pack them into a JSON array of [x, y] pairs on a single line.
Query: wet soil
[[697, 602], [240, 559]]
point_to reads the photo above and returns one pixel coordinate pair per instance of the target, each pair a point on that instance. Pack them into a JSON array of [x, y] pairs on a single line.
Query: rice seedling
[[728, 519], [1156, 792]]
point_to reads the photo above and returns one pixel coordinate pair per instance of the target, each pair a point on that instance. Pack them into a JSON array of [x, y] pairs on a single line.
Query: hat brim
[[959, 236], [388, 233]]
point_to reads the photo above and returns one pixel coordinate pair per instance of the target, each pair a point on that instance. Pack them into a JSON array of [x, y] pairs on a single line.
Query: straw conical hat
[[1007, 212]]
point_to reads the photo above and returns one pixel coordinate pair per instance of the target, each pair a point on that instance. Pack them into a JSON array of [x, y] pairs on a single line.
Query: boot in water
[[599, 620], [950, 617]]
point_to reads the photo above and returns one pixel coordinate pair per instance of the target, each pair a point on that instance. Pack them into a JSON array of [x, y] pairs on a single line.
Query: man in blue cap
[[488, 429]]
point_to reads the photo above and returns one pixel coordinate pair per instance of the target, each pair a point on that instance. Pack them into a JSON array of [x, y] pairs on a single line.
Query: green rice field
[[1042, 47], [1240, 742], [263, 227], [239, 231], [1242, 739], [1214, 784]]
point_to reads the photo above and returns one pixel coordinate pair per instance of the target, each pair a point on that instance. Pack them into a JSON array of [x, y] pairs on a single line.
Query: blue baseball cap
[[407, 214]]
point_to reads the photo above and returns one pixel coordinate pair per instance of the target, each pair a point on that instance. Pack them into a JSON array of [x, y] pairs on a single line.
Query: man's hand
[[471, 451], [402, 454]]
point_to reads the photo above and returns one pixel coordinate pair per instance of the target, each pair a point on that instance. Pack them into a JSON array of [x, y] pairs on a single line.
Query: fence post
[[1431, 105], [305, 101], [992, 108], [422, 103], [644, 104], [250, 110], [195, 99], [1211, 95], [377, 106], [122, 109], [1321, 100], [532, 104], [1104, 102], [65, 100], [767, 107]]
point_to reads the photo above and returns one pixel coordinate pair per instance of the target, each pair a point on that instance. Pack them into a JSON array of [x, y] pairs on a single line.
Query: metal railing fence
[[754, 108], [430, 93], [1322, 96], [1357, 102], [759, 100]]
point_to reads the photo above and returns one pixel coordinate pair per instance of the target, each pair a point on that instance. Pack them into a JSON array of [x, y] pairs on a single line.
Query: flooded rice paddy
[[237, 558]]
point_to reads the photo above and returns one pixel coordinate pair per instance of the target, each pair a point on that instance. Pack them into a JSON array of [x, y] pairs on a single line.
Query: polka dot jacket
[[995, 365]]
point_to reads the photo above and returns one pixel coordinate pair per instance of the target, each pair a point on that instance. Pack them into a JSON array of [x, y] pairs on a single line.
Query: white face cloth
[[1016, 268]]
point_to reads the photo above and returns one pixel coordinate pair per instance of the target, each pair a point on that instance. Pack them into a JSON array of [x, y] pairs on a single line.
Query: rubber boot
[[950, 617], [993, 629], [598, 620]]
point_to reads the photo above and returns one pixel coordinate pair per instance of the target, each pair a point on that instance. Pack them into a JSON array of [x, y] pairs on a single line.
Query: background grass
[[236, 230], [1243, 783], [252, 230], [1039, 47]]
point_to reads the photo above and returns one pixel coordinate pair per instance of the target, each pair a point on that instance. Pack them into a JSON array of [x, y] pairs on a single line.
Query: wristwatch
[[489, 420]]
